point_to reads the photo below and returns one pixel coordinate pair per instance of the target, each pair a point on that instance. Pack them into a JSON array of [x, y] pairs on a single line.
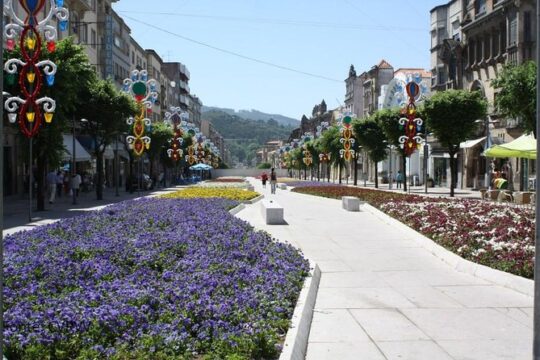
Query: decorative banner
[[30, 109], [346, 139], [145, 94], [411, 124], [177, 119], [190, 157], [307, 159]]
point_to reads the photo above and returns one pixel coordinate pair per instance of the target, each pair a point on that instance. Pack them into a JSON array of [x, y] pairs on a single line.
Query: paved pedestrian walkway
[[17, 215], [382, 296]]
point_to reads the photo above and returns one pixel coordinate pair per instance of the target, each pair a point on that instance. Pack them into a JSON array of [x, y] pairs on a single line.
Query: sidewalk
[[382, 296], [16, 208]]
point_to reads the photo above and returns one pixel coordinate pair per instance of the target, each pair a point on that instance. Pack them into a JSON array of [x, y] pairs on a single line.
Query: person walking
[[59, 183], [51, 181], [399, 179], [76, 184], [264, 179], [273, 181]]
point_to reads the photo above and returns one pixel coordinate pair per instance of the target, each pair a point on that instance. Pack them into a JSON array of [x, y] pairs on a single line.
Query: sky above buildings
[[280, 56]]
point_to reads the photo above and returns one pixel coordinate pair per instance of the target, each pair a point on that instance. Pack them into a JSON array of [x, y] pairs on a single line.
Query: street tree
[[517, 94], [370, 136], [451, 116], [331, 145], [161, 134], [106, 110], [73, 75], [388, 120]]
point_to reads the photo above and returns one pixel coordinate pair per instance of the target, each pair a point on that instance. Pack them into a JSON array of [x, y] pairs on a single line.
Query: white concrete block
[[350, 203], [251, 188], [272, 212], [282, 186]]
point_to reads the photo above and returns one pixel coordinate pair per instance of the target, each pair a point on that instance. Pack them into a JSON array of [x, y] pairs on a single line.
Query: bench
[[350, 203], [523, 197], [282, 186], [272, 212]]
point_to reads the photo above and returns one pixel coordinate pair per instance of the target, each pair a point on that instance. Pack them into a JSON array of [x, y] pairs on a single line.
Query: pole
[[488, 145], [2, 195], [390, 172], [117, 167], [30, 180], [426, 153], [536, 326], [73, 168]]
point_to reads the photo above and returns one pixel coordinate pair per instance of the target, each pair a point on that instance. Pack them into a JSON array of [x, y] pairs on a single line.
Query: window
[[117, 41], [83, 33], [93, 38], [480, 7], [527, 27], [133, 57], [512, 32]]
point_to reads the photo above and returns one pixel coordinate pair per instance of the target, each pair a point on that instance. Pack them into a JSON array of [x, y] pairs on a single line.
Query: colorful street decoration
[[308, 158], [190, 157], [177, 119], [346, 139], [144, 92], [29, 109], [412, 124]]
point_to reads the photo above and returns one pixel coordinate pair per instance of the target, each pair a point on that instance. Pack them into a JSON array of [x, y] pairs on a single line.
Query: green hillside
[[244, 136]]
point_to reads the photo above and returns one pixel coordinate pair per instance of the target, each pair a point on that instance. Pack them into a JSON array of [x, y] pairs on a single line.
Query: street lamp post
[[536, 320], [117, 167], [74, 162]]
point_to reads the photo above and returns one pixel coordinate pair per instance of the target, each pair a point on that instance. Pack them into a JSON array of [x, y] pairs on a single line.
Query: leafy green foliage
[[248, 135], [517, 95], [451, 116]]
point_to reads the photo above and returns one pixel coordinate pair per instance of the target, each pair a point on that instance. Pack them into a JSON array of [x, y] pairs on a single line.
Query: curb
[[296, 341], [237, 209], [253, 201], [498, 277]]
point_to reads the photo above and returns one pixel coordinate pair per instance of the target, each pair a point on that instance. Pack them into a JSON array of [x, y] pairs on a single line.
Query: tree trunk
[[453, 173], [404, 163], [40, 181], [376, 177], [339, 173], [319, 172], [99, 177]]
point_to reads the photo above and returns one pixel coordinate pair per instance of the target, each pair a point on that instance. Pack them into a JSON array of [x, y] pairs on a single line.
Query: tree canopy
[[451, 115], [517, 93]]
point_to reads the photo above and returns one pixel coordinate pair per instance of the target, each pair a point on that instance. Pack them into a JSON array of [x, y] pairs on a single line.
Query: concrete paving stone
[[522, 315], [387, 325], [390, 243], [360, 298], [500, 349], [413, 350], [321, 254], [466, 324], [415, 278], [343, 351], [333, 266], [428, 297], [335, 325], [421, 262], [485, 296], [364, 279]]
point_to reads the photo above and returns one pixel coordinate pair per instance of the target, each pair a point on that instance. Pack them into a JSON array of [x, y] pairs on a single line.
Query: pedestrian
[[264, 179], [399, 179], [59, 183], [76, 184], [51, 181], [273, 181]]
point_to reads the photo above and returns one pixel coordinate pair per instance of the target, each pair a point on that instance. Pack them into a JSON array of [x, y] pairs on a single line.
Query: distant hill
[[255, 115], [244, 136]]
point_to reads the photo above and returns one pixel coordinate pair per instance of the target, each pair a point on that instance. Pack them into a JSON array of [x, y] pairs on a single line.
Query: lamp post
[[536, 320], [117, 167]]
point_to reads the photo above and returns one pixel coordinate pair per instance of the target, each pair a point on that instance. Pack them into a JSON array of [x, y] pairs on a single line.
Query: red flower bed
[[496, 235]]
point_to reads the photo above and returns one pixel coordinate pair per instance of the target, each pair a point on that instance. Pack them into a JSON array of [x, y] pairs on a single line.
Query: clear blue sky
[[314, 36]]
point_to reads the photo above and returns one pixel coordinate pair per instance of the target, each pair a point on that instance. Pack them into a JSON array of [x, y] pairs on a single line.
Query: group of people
[[273, 180], [59, 182]]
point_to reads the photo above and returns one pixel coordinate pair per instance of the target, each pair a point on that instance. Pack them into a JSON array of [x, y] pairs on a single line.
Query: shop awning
[[80, 152], [471, 143], [523, 147]]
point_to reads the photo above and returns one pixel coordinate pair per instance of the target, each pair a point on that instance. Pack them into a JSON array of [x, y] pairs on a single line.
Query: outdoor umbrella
[[522, 147], [200, 166]]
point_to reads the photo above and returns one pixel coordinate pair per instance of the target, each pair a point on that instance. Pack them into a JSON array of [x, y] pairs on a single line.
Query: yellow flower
[[210, 192]]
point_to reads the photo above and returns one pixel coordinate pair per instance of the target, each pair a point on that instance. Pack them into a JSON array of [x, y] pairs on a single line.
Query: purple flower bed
[[149, 279]]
